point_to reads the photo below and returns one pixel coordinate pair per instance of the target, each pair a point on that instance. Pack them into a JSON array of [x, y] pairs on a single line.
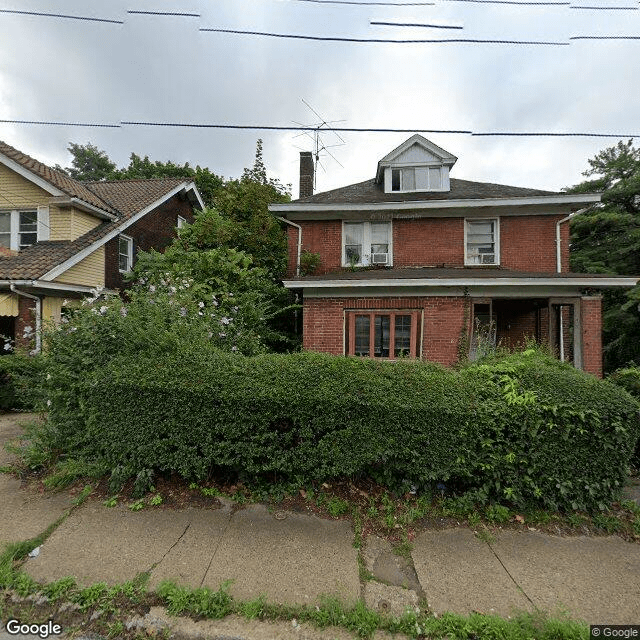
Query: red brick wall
[[26, 318], [156, 230], [527, 243], [428, 242], [323, 323], [318, 236], [591, 310]]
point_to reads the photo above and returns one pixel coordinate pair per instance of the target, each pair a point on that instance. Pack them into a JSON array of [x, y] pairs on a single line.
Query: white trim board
[[29, 175], [310, 207]]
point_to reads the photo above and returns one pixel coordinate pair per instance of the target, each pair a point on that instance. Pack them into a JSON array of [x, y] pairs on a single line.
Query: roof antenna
[[315, 132]]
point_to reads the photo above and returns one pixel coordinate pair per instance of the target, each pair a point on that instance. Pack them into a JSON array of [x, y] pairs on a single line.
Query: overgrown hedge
[[526, 430], [629, 379], [21, 382]]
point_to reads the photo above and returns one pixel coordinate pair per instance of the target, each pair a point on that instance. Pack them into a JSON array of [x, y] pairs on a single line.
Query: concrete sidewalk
[[294, 558]]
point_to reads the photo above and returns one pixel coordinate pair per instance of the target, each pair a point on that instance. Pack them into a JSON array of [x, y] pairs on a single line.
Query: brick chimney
[[306, 174]]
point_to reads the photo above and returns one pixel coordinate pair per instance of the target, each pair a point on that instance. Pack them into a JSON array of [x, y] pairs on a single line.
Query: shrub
[[629, 379], [526, 430], [21, 382]]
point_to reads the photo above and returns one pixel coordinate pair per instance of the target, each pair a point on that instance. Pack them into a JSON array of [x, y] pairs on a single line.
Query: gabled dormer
[[416, 165]]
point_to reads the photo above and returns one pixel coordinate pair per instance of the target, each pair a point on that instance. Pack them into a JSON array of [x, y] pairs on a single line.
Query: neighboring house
[[61, 238], [417, 264]]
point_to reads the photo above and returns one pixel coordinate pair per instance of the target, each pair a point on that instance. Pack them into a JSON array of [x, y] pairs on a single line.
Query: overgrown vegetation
[[525, 431]]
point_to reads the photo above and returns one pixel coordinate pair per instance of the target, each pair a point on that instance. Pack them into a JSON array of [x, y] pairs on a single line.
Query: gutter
[[299, 228], [558, 253], [38, 314]]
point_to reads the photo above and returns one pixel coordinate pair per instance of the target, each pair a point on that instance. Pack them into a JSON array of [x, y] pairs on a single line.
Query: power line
[[63, 124], [382, 40], [367, 4], [573, 6], [521, 2], [415, 24], [60, 15], [263, 127], [164, 13], [604, 38]]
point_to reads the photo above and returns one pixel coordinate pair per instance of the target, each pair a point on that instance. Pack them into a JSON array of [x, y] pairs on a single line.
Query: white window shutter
[[43, 223]]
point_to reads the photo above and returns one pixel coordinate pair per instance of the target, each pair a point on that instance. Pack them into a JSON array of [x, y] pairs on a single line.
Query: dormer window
[[416, 165], [416, 179]]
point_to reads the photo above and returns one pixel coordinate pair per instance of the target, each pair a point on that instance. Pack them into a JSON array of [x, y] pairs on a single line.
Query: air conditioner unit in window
[[379, 258]]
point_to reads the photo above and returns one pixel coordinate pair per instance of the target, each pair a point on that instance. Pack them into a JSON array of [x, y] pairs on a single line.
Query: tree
[[606, 239], [89, 163]]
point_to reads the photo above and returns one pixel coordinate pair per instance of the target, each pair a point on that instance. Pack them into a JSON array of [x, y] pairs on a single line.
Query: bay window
[[382, 334], [366, 243]]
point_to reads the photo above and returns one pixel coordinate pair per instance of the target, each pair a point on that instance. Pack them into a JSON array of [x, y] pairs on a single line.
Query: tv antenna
[[316, 132]]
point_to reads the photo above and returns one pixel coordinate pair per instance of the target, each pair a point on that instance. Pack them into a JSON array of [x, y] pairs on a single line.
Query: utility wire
[[164, 13], [573, 6], [321, 129], [368, 4], [382, 40], [415, 24], [60, 15], [604, 38]]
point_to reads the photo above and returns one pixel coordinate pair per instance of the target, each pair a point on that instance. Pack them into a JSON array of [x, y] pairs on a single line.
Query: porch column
[[591, 332]]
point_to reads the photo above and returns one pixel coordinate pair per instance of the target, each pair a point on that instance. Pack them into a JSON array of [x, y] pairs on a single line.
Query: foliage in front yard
[[526, 429], [21, 382], [629, 379]]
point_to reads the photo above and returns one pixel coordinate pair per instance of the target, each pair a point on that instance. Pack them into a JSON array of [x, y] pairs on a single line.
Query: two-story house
[[61, 238], [415, 263]]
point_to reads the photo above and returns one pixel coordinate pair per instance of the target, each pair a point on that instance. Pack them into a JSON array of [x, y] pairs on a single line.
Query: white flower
[[28, 330], [7, 346], [48, 376], [201, 304], [200, 313], [103, 309], [183, 312], [225, 320], [123, 312], [48, 403], [234, 348], [172, 289], [222, 334], [152, 288], [215, 303]]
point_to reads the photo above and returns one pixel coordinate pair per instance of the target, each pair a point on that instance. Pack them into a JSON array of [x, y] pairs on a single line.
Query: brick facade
[[156, 230], [591, 323], [324, 331], [527, 243]]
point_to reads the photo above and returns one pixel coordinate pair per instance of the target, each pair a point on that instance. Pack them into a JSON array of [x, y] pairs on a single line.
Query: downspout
[[559, 270], [38, 314], [299, 228]]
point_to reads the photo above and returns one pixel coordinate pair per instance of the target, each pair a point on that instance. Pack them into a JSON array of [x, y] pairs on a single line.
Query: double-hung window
[[366, 243], [482, 242], [125, 253], [21, 229], [382, 334]]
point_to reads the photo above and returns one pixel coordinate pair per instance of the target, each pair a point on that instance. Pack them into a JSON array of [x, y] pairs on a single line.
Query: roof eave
[[561, 199]]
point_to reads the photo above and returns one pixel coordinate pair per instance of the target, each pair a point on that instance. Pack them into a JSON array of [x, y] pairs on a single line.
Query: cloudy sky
[[165, 69]]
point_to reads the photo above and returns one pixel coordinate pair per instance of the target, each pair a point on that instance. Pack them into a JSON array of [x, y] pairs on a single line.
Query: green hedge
[[21, 382], [527, 429], [629, 379]]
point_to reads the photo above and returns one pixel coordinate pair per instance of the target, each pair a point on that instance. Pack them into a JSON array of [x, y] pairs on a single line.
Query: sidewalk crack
[[168, 551], [524, 593], [216, 549]]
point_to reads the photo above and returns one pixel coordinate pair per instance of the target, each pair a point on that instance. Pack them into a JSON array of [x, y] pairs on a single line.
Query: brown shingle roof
[[66, 184], [125, 198], [128, 197], [370, 191]]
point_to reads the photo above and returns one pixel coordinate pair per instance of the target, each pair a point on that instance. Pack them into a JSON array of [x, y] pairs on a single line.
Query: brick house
[[419, 264], [61, 238]]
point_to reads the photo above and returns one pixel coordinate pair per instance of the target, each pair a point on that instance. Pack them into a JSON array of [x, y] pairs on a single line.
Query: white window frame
[[444, 174], [496, 242], [42, 224], [181, 222], [129, 241], [365, 259]]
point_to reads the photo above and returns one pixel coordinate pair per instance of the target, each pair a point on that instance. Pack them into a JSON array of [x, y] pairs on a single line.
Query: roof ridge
[[89, 183], [55, 177]]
